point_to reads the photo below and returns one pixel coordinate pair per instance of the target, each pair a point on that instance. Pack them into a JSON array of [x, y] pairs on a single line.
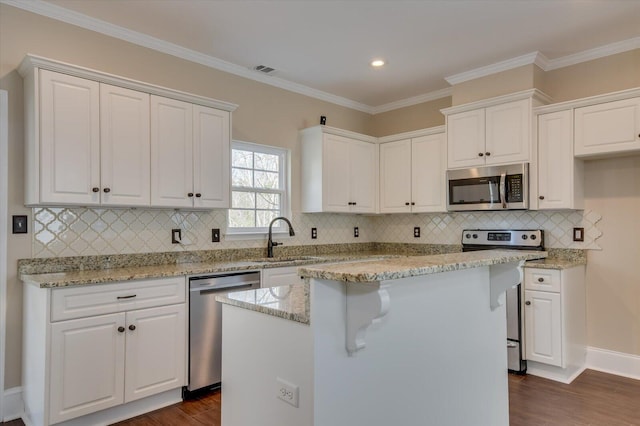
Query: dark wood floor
[[593, 399]]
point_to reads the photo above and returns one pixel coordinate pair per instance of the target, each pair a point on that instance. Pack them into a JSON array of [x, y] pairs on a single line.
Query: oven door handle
[[503, 189]]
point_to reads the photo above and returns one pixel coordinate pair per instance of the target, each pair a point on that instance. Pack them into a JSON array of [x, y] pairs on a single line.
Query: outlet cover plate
[[288, 392]]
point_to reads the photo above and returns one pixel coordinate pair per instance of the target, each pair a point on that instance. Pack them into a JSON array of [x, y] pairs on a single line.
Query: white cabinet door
[[273, 277], [395, 176], [543, 327], [87, 366], [155, 353], [336, 174], [171, 153], [69, 140], [608, 128], [428, 165], [124, 147], [558, 171], [508, 132], [211, 139], [363, 176], [466, 139]]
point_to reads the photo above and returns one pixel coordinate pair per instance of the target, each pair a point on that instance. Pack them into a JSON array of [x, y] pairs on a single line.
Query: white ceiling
[[327, 45]]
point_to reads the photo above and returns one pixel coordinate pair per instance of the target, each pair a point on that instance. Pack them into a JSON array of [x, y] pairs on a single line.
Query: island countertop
[[391, 269]]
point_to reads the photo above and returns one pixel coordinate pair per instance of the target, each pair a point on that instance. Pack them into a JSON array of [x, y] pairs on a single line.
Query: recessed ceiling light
[[377, 63]]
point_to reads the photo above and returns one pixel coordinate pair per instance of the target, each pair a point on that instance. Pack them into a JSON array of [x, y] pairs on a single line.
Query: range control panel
[[504, 237]]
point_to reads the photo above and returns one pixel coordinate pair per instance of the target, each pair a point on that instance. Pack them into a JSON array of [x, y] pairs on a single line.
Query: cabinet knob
[[121, 329], [541, 197], [198, 194], [132, 327], [413, 204], [540, 280], [95, 189], [190, 194], [406, 204], [487, 154], [107, 190], [527, 303], [480, 154]]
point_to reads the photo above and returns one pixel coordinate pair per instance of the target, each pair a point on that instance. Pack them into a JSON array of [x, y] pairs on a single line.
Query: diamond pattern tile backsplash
[[89, 231]]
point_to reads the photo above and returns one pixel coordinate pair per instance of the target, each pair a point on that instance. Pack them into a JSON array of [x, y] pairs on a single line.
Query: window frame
[[285, 192]]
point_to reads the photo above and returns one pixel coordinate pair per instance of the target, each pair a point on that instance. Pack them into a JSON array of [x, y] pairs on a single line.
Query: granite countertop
[[391, 269], [110, 275], [290, 302], [555, 263]]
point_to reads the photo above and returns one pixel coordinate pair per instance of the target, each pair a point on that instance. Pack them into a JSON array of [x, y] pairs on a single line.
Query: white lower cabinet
[[555, 322], [118, 343], [273, 277]]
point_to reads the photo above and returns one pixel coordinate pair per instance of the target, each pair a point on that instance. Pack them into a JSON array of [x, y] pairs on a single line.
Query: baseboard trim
[[612, 362], [13, 405]]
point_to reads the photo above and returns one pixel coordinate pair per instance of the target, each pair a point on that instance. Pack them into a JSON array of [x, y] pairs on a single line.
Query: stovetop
[[513, 239]]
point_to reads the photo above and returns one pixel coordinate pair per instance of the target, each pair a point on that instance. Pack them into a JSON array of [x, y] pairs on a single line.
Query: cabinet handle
[[487, 154], [527, 303], [121, 329], [541, 197], [190, 194], [480, 154], [198, 194], [132, 327], [95, 189], [107, 190], [540, 280], [354, 203], [131, 296]]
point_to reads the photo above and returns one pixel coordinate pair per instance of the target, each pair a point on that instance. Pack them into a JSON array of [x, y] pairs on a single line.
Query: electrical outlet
[[288, 392], [215, 235], [356, 232], [176, 236], [578, 234], [314, 233], [416, 232]]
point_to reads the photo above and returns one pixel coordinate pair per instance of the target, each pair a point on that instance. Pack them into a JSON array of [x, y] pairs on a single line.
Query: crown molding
[[588, 101], [596, 53], [74, 18], [431, 96], [534, 94], [530, 58]]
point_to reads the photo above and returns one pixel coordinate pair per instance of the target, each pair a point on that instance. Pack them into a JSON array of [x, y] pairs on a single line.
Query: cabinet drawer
[[542, 279], [78, 302]]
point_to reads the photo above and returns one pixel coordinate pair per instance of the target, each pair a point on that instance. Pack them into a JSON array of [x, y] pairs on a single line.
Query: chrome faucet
[[271, 244]]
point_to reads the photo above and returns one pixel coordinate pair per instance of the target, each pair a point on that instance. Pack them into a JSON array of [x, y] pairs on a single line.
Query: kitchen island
[[408, 341]]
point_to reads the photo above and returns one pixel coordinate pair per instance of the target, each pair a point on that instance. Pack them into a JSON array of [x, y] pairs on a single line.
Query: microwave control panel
[[514, 188]]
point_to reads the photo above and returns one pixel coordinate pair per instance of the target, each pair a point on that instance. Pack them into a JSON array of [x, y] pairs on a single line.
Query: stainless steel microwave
[[489, 188]]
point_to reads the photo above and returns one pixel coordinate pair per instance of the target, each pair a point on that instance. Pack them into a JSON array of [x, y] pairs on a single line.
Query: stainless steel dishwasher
[[205, 324]]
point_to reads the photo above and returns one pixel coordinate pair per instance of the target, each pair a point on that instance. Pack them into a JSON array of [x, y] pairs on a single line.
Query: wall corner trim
[[612, 362]]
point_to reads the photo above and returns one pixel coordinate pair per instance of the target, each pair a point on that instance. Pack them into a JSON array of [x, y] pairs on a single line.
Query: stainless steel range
[[523, 239]]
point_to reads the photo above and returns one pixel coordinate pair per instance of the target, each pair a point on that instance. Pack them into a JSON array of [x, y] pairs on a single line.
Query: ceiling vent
[[264, 69]]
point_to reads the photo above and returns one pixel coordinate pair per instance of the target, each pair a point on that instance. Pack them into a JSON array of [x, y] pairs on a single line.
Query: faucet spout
[[270, 243]]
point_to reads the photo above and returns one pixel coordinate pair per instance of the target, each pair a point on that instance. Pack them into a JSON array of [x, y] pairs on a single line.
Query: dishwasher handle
[[227, 289]]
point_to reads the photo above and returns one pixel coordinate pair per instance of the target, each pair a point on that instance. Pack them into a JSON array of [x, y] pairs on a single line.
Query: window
[[258, 187]]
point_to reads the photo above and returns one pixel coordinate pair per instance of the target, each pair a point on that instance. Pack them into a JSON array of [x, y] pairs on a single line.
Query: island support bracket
[[503, 277], [367, 303]]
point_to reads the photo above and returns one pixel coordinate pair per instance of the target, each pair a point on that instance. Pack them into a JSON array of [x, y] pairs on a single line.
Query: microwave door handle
[[503, 184]]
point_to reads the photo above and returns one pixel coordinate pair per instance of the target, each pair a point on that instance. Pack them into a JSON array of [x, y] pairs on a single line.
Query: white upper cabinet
[[124, 147], [189, 155], [560, 175], [495, 131], [211, 157], [68, 154], [97, 139], [171, 153], [466, 138], [412, 174], [608, 128], [339, 171]]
